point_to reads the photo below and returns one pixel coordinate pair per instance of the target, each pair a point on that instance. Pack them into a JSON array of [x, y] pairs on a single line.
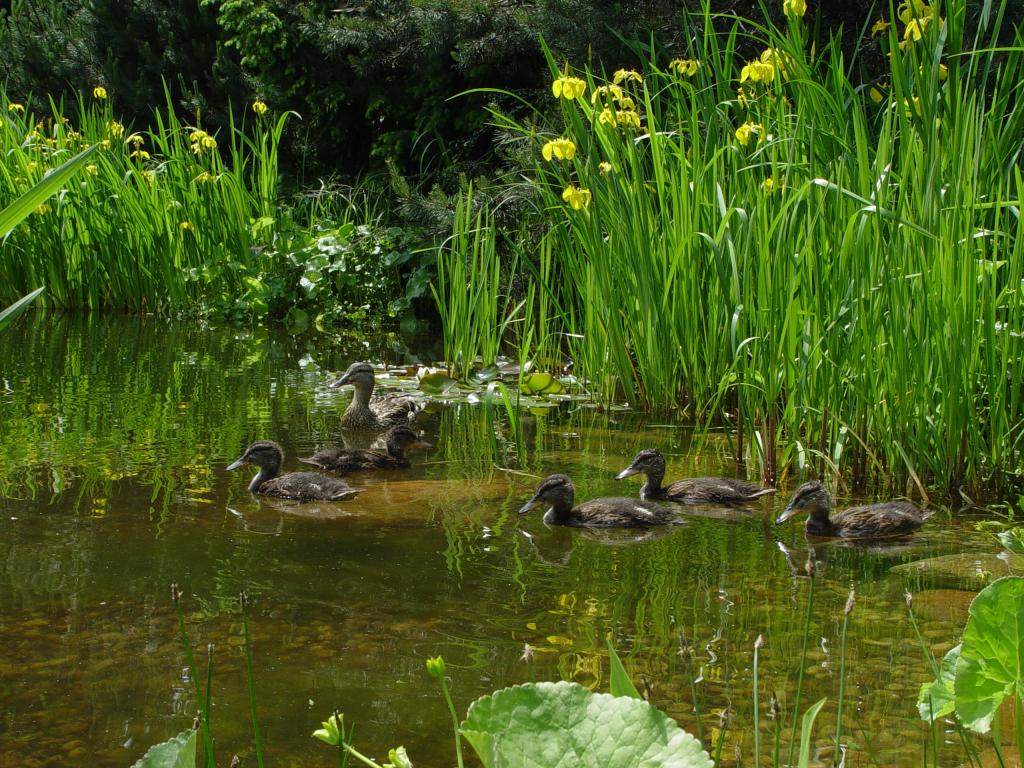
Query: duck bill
[[235, 464], [422, 444], [787, 513], [630, 470], [339, 383], [531, 504]]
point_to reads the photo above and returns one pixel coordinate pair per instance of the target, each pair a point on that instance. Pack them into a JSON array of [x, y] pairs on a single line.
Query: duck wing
[[395, 411], [888, 518], [620, 512], [307, 486], [350, 460], [715, 490]]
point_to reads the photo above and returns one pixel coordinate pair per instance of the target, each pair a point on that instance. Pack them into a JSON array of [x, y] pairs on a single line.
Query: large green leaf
[[12, 215], [178, 752], [935, 699], [564, 725], [991, 665], [8, 314]]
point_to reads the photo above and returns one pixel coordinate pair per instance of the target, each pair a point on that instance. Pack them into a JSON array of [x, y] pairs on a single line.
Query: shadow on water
[[114, 437]]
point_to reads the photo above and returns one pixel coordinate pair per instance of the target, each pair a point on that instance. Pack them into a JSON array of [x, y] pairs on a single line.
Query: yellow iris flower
[[604, 167], [115, 129], [559, 149], [259, 107], [794, 7], [611, 91], [99, 93], [568, 87], [15, 107], [879, 27], [577, 198], [626, 76], [745, 131], [684, 67]]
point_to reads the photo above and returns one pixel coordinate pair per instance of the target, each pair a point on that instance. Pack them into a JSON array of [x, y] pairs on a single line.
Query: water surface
[[114, 435]]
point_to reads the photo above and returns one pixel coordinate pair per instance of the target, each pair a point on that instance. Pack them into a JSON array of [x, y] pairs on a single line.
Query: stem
[[250, 680], [842, 679], [203, 718], [757, 706], [455, 720], [803, 661]]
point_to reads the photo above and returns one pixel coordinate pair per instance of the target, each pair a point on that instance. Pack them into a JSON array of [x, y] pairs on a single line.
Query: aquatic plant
[[24, 205], [987, 668], [768, 246]]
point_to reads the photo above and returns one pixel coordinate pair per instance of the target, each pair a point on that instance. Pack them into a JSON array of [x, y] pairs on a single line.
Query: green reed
[[475, 314], [161, 219], [835, 278], [203, 704]]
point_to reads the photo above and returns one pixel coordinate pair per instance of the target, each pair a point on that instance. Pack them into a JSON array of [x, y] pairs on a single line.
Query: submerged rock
[[963, 571]]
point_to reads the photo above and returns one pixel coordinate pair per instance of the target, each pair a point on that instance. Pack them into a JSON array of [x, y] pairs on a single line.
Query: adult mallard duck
[[398, 439], [379, 414], [694, 490], [887, 518], [609, 512], [299, 486]]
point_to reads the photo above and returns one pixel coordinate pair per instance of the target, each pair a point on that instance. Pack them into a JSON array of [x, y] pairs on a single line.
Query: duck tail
[[763, 492], [310, 460]]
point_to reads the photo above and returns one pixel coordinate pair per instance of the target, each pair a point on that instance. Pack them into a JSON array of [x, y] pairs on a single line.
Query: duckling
[[299, 486], [558, 491], [694, 490], [887, 518], [399, 439], [376, 415]]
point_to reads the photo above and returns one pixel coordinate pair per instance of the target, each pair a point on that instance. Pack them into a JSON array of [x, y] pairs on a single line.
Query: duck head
[[648, 461], [360, 375], [812, 498], [556, 490]]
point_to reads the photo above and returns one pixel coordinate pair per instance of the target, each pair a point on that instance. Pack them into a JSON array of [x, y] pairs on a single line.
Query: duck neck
[[651, 488], [395, 449], [819, 523], [266, 473], [362, 394], [561, 508]]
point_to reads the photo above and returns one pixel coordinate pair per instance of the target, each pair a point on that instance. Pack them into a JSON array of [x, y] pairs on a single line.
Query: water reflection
[[114, 435]]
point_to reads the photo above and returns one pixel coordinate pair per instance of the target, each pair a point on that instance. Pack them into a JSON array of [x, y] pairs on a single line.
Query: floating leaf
[[991, 665], [484, 375], [177, 752], [436, 383], [558, 725], [936, 698], [542, 384]]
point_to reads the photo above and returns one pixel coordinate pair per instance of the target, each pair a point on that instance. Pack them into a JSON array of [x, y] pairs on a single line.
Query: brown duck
[[299, 486], [398, 439], [609, 512], [694, 490], [368, 414], [887, 518]]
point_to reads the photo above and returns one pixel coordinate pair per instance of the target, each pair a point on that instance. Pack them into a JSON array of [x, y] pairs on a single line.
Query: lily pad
[[991, 665], [936, 698], [436, 383], [564, 725], [176, 752], [542, 384]]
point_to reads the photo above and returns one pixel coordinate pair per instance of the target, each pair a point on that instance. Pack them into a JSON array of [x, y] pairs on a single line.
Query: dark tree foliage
[[374, 81]]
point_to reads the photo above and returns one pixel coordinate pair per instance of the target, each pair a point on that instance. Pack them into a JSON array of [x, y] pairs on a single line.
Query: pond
[[114, 438]]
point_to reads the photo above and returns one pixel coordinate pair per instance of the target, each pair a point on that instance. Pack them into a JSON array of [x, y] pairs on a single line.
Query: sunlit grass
[[161, 218]]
